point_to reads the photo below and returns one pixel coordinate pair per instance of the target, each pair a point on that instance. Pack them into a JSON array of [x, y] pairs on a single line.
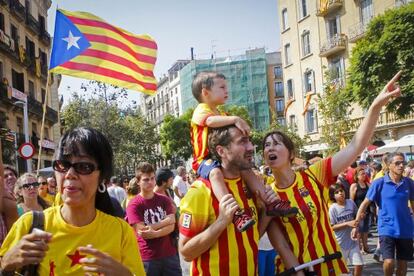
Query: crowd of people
[[224, 215]]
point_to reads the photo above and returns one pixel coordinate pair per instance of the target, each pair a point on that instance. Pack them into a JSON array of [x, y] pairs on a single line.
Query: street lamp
[[26, 130]]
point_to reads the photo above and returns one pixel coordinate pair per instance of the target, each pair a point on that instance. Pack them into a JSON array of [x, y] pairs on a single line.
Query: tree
[[386, 48], [175, 136], [132, 137], [334, 107]]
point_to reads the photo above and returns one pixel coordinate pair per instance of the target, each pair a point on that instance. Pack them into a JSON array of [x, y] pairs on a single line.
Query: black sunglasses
[[83, 168], [43, 183], [27, 186], [397, 163]]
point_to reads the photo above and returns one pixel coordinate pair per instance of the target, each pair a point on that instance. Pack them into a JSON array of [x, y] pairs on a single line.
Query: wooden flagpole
[[39, 158]]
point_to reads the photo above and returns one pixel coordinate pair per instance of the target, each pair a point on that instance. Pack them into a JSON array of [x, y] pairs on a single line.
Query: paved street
[[374, 268]]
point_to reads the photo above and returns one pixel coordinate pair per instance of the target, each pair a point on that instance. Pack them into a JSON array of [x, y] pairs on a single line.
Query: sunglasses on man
[[397, 163], [83, 168]]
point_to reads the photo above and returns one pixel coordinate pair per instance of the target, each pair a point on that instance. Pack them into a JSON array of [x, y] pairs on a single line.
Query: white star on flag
[[71, 40]]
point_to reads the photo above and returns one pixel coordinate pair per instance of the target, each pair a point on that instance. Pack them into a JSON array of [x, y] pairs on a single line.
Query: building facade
[[275, 87], [167, 100], [247, 83], [317, 36], [24, 51]]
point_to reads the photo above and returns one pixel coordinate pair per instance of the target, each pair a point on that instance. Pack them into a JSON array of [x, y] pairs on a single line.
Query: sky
[[222, 27]]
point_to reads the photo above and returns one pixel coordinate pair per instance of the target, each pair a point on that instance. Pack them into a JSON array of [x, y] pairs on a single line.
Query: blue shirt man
[[395, 227], [394, 217]]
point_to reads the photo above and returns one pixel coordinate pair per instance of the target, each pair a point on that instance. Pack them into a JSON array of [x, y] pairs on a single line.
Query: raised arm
[[344, 157]]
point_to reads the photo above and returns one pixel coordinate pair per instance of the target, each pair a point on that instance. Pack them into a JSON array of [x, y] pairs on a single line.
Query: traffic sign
[[26, 150]]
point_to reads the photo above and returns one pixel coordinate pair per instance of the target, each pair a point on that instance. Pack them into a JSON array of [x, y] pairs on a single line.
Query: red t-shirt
[[151, 211]]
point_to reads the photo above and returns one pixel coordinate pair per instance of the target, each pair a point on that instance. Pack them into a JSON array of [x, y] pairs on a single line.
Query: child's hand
[[242, 126]]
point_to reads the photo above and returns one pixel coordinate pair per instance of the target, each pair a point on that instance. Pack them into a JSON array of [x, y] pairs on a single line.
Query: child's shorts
[[206, 166], [353, 256]]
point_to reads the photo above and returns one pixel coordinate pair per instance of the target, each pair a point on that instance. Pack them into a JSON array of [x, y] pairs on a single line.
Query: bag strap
[[38, 221]]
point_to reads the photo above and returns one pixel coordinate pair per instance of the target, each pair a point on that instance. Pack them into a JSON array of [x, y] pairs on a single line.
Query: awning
[[315, 147]]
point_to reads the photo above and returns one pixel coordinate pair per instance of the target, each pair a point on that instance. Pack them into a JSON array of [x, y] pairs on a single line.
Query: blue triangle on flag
[[68, 41]]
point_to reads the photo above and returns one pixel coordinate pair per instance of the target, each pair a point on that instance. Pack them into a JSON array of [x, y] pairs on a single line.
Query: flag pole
[[39, 158]]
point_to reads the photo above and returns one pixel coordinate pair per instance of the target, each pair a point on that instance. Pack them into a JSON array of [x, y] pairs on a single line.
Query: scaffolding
[[247, 83]]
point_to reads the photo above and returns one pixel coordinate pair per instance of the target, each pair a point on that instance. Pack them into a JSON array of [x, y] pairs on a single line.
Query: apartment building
[[275, 87], [24, 50], [317, 36]]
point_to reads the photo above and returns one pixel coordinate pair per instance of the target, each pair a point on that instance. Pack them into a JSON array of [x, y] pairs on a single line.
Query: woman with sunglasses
[[309, 233], [26, 191], [81, 235]]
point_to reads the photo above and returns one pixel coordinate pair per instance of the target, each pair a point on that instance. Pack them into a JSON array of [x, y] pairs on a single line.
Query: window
[[285, 23], [14, 33], [306, 43], [292, 122], [1, 71], [336, 67], [278, 72], [43, 95], [278, 89], [309, 83], [2, 22], [281, 121], [288, 59], [367, 11], [42, 23], [290, 88], [31, 90], [3, 119], [303, 10], [333, 27], [280, 105], [18, 81], [311, 120]]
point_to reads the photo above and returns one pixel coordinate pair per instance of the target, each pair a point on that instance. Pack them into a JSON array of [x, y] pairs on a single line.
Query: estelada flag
[[85, 46]]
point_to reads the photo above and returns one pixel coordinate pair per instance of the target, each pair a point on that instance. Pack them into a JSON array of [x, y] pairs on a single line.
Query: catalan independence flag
[[85, 46]]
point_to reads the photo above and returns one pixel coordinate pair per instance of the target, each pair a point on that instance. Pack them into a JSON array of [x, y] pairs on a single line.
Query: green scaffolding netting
[[247, 83]]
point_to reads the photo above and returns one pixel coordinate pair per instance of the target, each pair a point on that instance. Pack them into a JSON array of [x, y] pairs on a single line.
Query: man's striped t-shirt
[[234, 253]]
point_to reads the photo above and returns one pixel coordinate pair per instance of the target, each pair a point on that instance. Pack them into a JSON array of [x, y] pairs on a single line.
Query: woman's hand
[[31, 249], [101, 263]]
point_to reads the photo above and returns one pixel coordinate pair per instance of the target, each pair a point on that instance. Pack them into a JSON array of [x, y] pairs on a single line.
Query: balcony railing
[[357, 31], [32, 23], [387, 119], [334, 45], [17, 9], [331, 6], [45, 37], [36, 108]]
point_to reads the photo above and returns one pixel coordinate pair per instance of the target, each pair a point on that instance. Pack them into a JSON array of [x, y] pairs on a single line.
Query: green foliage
[[386, 48], [133, 139], [334, 107], [175, 136], [240, 111]]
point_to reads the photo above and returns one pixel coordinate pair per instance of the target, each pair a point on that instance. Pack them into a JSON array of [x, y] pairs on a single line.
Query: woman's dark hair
[[11, 168], [162, 175], [357, 171], [89, 141], [284, 139]]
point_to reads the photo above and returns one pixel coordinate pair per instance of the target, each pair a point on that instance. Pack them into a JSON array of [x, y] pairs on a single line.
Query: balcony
[[32, 23], [43, 72], [387, 120], [18, 10], [35, 107], [334, 45], [330, 7], [357, 31], [45, 37]]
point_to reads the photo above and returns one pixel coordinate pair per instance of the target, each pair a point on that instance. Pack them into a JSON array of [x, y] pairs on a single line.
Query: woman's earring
[[102, 187]]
